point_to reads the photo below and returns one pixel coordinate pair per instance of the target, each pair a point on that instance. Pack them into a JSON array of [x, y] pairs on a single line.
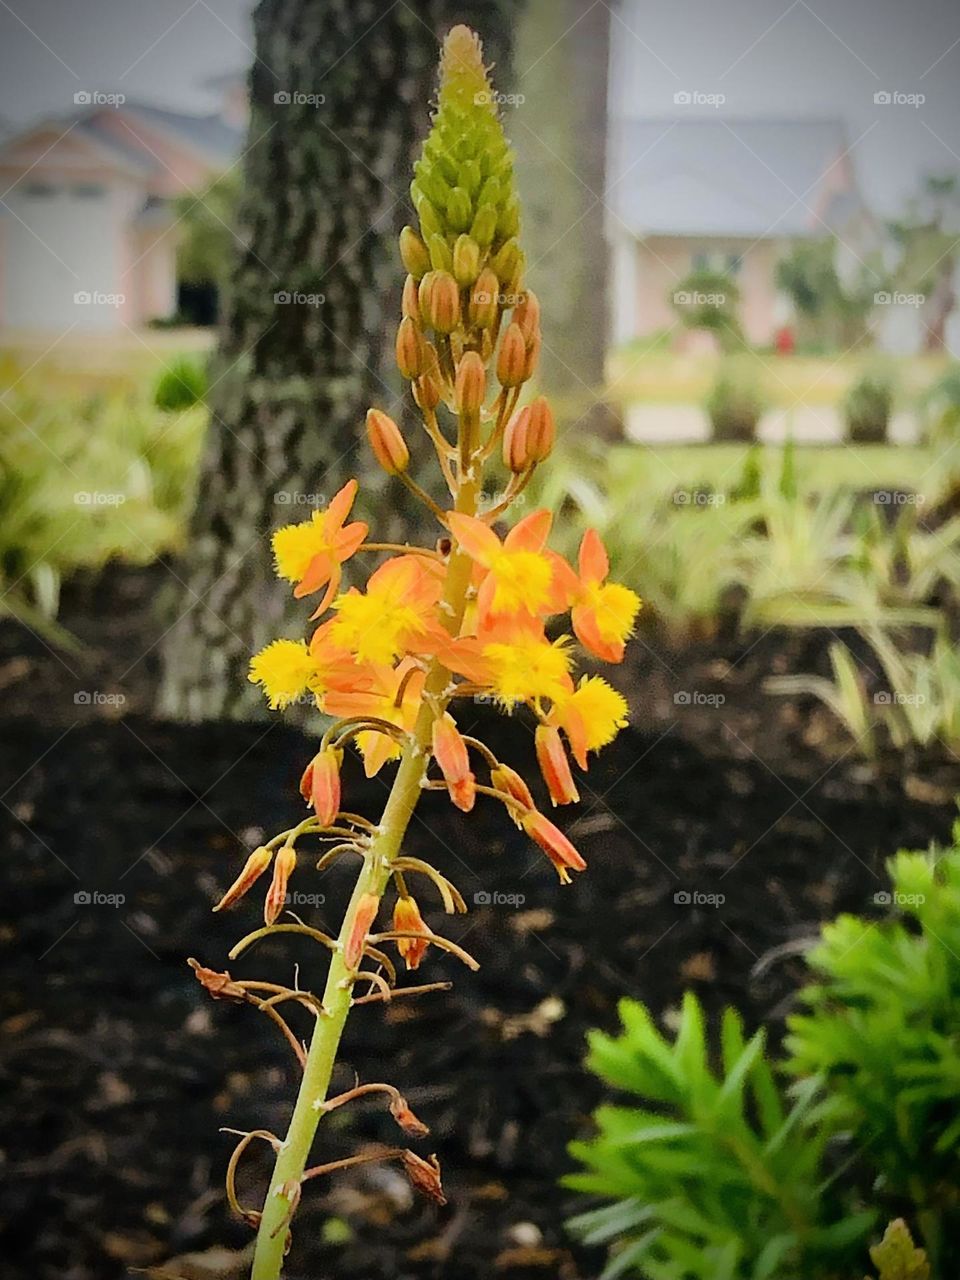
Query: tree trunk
[[562, 55], [337, 94]]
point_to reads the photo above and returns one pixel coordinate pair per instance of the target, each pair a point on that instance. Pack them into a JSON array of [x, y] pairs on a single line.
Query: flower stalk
[[464, 618]]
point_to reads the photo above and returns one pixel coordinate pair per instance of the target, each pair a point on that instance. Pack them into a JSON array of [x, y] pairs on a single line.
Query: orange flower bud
[[424, 291], [554, 843], [409, 349], [484, 295], [441, 306], [408, 1122], [426, 392], [503, 778], [277, 893], [366, 913], [407, 919], [541, 430], [253, 869], [450, 752], [515, 442], [413, 253], [466, 260], [512, 360], [555, 766], [533, 357], [320, 784], [388, 445], [424, 1176], [471, 384], [410, 302], [527, 315]]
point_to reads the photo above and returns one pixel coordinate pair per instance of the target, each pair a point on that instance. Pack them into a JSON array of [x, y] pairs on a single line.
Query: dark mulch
[[116, 1070]]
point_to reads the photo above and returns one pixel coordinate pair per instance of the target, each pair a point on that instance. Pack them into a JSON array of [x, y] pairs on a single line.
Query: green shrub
[[182, 384], [734, 405], [882, 1030], [709, 299], [868, 406], [713, 1174], [743, 1171]]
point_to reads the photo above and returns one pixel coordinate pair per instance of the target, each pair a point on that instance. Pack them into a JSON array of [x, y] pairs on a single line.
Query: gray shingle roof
[[721, 176]]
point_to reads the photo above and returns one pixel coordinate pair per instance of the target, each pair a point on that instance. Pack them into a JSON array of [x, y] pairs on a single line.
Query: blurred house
[[87, 221], [729, 195]]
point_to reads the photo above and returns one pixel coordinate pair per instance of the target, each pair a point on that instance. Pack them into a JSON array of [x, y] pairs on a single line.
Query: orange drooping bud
[[450, 752], [505, 779], [484, 297], [527, 315], [515, 456], [410, 301], [366, 913], [388, 445], [424, 1176], [407, 919], [413, 253], [512, 360], [320, 784], [440, 301], [554, 844], [253, 869], [471, 383], [409, 349], [541, 430], [555, 766], [277, 893], [411, 1125]]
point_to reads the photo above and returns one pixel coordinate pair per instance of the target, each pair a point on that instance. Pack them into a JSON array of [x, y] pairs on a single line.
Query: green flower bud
[[413, 253]]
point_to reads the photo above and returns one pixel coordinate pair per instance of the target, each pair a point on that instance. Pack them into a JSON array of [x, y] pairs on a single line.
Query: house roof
[[729, 177], [210, 134]]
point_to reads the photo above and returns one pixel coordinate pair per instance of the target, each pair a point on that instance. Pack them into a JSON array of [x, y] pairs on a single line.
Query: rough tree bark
[[561, 57], [324, 196]]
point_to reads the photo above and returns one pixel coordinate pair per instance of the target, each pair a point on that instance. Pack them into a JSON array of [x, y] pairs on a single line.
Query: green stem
[[373, 878]]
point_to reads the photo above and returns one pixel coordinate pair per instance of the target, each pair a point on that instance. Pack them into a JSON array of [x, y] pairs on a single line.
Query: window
[[89, 190], [39, 190]]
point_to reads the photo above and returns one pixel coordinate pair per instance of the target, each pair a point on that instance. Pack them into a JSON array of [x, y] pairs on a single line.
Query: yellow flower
[[527, 666], [395, 613], [591, 717], [284, 669], [295, 546]]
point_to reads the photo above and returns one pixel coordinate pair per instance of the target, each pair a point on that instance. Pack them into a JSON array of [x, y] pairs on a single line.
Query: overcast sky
[[782, 58]]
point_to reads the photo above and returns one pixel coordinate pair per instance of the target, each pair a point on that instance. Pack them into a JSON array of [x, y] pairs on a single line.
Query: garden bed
[[125, 1069]]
